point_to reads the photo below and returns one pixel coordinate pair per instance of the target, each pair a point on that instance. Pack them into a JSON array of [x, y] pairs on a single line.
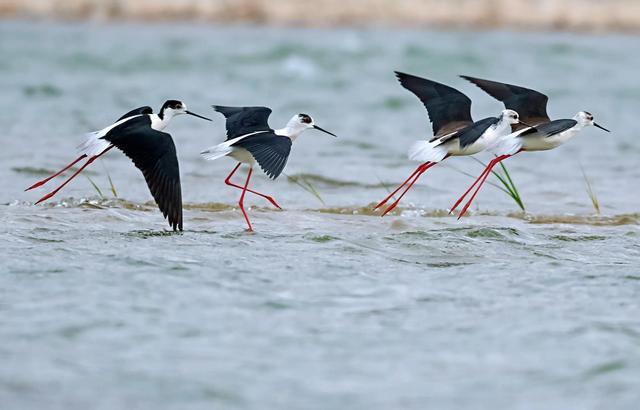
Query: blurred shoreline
[[572, 15]]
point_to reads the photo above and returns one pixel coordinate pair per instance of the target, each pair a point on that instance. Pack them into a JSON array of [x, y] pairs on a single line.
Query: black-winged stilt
[[454, 131], [251, 140], [139, 135], [542, 135]]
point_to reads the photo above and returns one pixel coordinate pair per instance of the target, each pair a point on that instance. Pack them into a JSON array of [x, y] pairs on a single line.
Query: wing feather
[[154, 153], [244, 120], [271, 151], [448, 108]]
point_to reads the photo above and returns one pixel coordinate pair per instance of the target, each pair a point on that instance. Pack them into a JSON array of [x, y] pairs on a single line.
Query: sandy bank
[[610, 15]]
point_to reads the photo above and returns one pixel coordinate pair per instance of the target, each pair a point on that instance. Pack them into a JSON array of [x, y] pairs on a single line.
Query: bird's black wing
[[550, 129], [470, 134], [449, 109], [271, 151], [244, 120], [154, 153], [531, 105], [137, 111]]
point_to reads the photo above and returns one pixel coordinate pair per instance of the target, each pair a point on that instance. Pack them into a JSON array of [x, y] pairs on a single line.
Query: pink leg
[[52, 193], [44, 181], [241, 202], [267, 197], [487, 172], [384, 201], [422, 169]]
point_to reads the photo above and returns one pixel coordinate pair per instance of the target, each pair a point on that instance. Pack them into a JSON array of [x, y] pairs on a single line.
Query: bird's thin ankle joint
[[228, 179], [267, 197]]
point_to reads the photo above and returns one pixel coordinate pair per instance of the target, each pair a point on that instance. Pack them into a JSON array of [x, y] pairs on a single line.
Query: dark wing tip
[[404, 77]]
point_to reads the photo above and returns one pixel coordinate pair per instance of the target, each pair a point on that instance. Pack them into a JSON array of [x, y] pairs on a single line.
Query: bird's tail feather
[[424, 151], [217, 151], [92, 144], [507, 145]]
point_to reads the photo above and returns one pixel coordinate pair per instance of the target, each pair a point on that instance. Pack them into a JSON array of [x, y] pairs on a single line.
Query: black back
[[471, 133], [449, 109], [550, 129], [154, 153], [137, 111], [270, 150], [244, 120], [531, 105]]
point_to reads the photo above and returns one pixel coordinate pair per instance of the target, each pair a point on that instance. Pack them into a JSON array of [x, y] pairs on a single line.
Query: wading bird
[[454, 131], [139, 135], [251, 140], [539, 133]]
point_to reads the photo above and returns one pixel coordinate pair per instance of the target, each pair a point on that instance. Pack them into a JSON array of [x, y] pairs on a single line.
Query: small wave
[[44, 171], [366, 210], [326, 182], [595, 220]]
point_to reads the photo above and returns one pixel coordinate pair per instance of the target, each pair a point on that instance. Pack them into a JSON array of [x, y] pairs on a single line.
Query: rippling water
[[326, 305]]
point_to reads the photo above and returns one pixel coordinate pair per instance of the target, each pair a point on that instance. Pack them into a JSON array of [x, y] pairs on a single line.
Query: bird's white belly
[[242, 155], [479, 145], [542, 143]]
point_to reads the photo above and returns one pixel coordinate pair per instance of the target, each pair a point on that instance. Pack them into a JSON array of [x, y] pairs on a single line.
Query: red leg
[[44, 181], [453, 208], [241, 202], [267, 197], [52, 193], [384, 201], [422, 169], [487, 172]]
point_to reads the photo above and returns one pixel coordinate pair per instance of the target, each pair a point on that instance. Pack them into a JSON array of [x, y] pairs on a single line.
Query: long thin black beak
[[199, 116], [325, 131], [601, 127]]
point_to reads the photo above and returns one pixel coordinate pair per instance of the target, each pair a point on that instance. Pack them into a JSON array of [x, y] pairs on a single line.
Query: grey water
[[326, 305]]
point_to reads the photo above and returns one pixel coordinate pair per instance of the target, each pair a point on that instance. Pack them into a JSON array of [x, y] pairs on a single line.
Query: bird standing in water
[[250, 140]]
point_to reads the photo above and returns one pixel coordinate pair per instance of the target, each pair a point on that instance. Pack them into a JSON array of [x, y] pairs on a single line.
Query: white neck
[[291, 132], [580, 123], [502, 126], [158, 123]]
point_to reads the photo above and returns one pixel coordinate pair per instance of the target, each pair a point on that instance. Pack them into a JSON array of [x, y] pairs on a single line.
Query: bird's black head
[[172, 108], [305, 119], [302, 122]]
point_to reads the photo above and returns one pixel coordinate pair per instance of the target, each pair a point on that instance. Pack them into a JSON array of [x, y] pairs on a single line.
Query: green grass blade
[[513, 185], [509, 187], [475, 176], [306, 185], [111, 184], [592, 195], [95, 187], [113, 187]]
